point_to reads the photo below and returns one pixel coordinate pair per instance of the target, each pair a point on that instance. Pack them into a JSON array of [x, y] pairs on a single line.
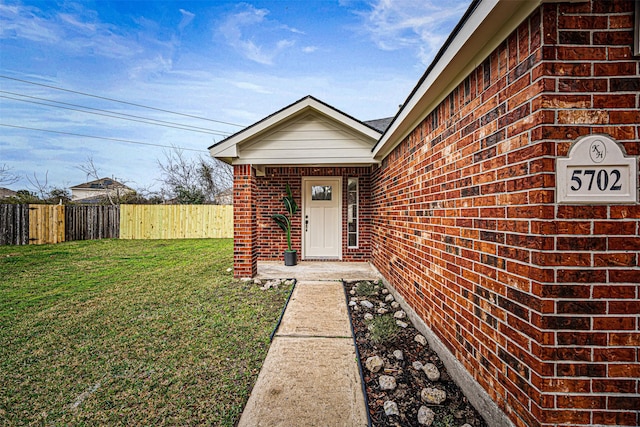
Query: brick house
[[532, 298]]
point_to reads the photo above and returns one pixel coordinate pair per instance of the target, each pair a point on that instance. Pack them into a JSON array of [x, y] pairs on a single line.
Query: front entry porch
[[317, 270]]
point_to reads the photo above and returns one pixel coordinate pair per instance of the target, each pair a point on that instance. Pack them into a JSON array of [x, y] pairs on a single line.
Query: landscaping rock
[[257, 281], [433, 396], [426, 416], [391, 408], [387, 382], [382, 311], [400, 314], [368, 316], [420, 339], [388, 298], [366, 304], [410, 380], [402, 324], [417, 365], [352, 303], [385, 291], [432, 371], [374, 363]]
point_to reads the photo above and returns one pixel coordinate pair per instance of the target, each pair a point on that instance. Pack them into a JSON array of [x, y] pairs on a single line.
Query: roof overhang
[[485, 25], [229, 149]]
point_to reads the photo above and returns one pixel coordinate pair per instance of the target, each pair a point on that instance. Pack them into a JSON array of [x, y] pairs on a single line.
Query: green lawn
[[129, 332]]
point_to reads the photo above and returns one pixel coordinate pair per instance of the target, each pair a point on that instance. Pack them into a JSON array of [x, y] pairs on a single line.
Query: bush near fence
[[40, 224]]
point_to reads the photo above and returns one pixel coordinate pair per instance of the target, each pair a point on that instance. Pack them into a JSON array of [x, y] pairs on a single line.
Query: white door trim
[[321, 179]]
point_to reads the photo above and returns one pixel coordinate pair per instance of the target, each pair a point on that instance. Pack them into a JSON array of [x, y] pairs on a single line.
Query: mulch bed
[[454, 411]]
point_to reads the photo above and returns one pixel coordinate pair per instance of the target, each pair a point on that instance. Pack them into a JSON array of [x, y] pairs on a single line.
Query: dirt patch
[[411, 380]]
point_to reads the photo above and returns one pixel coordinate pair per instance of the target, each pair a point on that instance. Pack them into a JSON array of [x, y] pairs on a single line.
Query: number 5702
[[601, 177]]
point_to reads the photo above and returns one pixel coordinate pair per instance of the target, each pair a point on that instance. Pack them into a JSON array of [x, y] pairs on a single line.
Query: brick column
[[244, 225]]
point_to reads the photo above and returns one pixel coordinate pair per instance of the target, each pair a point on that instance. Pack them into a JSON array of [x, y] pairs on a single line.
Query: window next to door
[[352, 212]]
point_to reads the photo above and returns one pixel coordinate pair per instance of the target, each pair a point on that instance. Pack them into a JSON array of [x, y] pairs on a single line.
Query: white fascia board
[[488, 26], [343, 162]]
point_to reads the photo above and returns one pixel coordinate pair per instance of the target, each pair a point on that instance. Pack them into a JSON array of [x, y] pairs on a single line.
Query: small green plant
[[446, 421], [285, 221], [365, 288], [382, 328]]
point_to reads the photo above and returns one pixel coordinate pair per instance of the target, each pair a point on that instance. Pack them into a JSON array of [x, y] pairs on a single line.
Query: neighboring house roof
[[483, 27], [100, 184], [308, 131], [379, 124], [5, 192]]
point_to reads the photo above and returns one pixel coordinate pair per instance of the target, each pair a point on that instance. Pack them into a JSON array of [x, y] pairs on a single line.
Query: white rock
[[229, 270], [374, 363], [352, 303], [387, 382], [433, 396], [388, 298], [385, 291], [395, 304], [432, 371], [368, 316], [382, 311], [390, 408], [400, 314], [417, 365], [398, 354], [352, 292], [467, 425], [425, 416], [257, 281], [366, 304], [402, 324], [420, 339]]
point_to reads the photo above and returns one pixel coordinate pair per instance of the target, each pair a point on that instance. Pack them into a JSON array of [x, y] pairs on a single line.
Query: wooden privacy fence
[[40, 224], [176, 221], [14, 224]]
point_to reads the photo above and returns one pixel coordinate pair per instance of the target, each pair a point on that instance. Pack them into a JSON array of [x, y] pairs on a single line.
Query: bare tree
[[6, 176], [40, 185], [193, 180]]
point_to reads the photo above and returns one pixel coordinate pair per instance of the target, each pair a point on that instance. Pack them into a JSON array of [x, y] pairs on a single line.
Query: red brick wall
[[244, 227], [540, 302]]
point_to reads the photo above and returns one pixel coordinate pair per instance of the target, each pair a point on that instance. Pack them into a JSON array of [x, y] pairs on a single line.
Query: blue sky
[[225, 61]]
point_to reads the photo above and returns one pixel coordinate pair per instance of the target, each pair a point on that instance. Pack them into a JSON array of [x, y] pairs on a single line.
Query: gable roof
[[340, 138], [6, 192], [483, 27], [100, 184]]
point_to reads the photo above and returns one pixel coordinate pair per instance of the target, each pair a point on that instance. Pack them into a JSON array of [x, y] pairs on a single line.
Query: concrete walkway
[[310, 376]]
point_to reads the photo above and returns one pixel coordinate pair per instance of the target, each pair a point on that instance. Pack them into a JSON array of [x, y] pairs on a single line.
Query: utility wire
[[101, 137], [119, 101], [114, 115]]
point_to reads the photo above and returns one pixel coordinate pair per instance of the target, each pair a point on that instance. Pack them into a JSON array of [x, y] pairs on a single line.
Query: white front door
[[322, 224]]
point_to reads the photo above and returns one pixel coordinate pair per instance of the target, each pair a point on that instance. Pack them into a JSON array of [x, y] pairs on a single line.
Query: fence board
[[92, 222], [14, 224], [46, 224], [176, 221]]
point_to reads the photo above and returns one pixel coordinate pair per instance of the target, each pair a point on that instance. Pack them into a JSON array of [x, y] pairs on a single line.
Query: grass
[[125, 332], [365, 288], [382, 328]]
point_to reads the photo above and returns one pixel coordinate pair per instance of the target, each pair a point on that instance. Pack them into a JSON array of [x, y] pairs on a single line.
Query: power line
[[119, 101], [101, 137], [106, 113]]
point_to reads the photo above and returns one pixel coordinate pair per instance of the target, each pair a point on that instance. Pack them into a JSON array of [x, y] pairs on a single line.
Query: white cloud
[[309, 49], [77, 32], [415, 24], [248, 23], [187, 17]]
